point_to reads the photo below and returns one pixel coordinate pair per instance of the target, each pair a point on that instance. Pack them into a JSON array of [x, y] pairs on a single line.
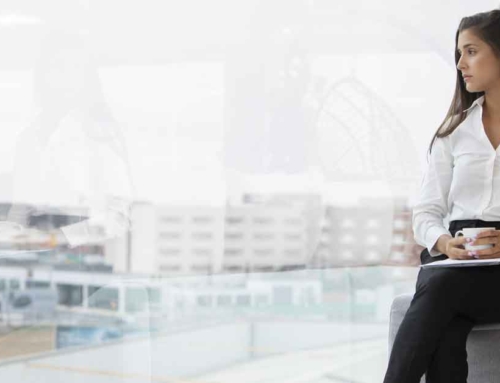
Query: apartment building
[[193, 240], [355, 235], [373, 232], [265, 233]]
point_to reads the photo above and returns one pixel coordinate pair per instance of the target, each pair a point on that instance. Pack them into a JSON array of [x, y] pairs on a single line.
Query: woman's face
[[63, 79], [478, 63]]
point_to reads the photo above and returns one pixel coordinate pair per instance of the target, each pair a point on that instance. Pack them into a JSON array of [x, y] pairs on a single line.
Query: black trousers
[[448, 302]]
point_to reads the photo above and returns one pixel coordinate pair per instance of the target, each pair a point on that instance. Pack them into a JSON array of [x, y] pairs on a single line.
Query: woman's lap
[[446, 304], [472, 290]]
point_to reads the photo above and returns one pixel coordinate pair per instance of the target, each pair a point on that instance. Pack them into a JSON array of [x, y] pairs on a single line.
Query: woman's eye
[[469, 52]]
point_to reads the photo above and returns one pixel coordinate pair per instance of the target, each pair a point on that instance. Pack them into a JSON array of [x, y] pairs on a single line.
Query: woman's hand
[[454, 247], [484, 238]]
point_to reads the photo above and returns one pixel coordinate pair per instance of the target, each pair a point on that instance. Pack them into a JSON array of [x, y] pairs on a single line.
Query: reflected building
[[266, 232], [355, 235], [374, 232], [263, 233], [404, 250]]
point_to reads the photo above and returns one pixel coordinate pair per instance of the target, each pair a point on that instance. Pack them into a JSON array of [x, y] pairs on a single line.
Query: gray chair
[[483, 344]]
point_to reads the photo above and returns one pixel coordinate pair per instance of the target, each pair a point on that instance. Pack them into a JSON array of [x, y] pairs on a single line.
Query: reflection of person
[[463, 180], [72, 155]]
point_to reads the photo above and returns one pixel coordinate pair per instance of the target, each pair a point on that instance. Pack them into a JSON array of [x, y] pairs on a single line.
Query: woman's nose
[[460, 64]]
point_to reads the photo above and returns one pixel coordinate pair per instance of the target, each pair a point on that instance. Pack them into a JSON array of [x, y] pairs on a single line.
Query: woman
[[463, 180], [72, 157]]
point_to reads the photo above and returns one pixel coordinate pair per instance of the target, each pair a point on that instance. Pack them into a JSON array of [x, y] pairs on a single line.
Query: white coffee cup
[[471, 232]]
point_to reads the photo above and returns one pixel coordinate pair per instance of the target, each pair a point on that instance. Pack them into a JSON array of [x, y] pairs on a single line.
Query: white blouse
[[74, 170], [462, 181]]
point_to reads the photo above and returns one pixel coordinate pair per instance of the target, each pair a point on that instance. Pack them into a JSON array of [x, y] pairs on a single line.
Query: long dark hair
[[100, 123], [486, 26], [92, 101]]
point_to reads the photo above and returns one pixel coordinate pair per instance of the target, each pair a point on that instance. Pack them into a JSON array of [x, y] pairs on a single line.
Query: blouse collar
[[478, 101]]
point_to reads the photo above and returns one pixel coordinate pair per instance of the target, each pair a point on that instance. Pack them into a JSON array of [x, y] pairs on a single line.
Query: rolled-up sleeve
[[113, 218], [108, 198], [431, 205]]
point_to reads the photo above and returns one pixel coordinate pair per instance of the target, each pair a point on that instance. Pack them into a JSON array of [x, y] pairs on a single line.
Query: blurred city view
[[213, 191]]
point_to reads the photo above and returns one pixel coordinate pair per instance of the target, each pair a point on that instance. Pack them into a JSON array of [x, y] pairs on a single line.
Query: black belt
[[460, 224]]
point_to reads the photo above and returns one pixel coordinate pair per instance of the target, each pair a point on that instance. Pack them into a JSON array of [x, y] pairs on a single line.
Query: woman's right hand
[[454, 247]]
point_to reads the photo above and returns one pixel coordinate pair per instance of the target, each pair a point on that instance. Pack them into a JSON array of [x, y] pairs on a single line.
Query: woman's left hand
[[485, 238]]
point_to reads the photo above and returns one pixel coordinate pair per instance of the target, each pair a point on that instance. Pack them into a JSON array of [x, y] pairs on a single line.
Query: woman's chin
[[473, 89]]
